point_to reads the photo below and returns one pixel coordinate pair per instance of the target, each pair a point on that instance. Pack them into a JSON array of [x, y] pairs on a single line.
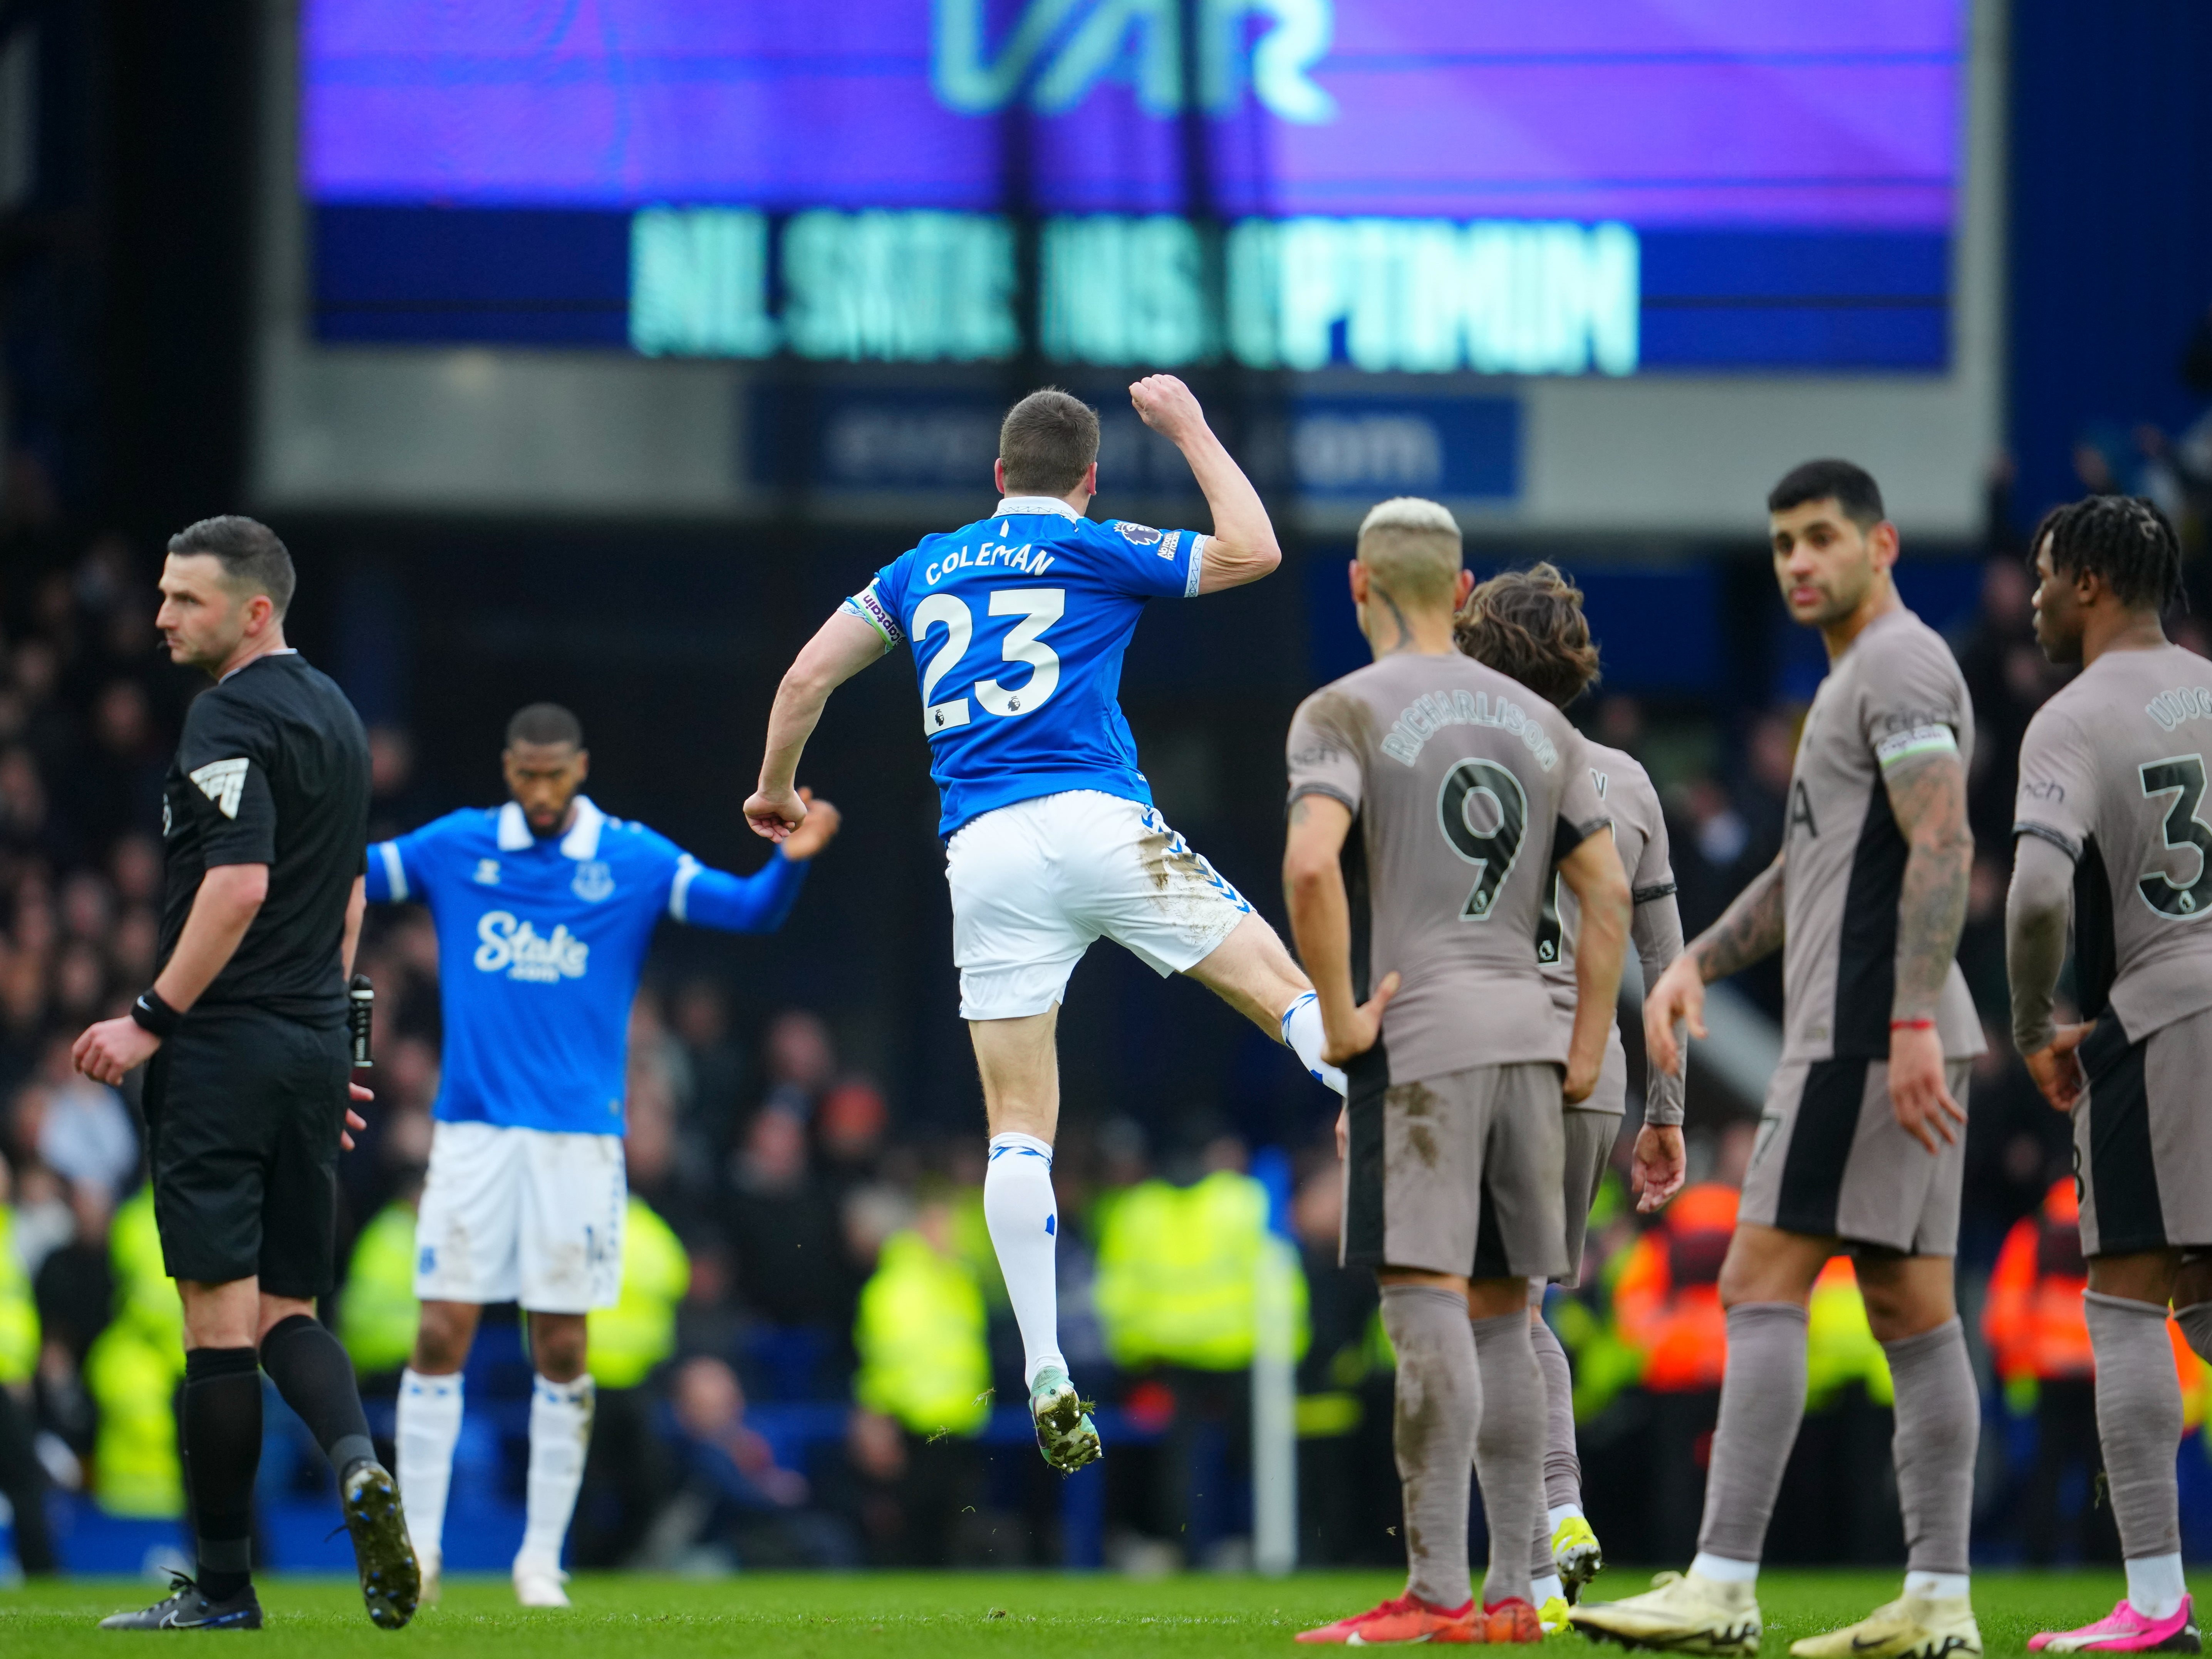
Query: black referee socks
[[220, 1436], [313, 1374]]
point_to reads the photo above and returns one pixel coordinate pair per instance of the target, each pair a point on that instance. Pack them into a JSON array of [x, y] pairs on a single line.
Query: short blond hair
[[1412, 546]]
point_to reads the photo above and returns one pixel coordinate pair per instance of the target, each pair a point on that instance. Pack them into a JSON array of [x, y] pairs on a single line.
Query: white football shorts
[[522, 1215], [1034, 882]]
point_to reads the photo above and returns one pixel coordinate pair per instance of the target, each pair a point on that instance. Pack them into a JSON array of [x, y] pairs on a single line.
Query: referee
[[265, 822]]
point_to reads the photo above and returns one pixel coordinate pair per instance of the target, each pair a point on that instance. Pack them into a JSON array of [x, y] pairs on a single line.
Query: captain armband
[[1919, 740], [868, 606]]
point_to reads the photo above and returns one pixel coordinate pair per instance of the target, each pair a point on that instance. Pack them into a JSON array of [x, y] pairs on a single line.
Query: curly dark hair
[[2126, 539], [1530, 624]]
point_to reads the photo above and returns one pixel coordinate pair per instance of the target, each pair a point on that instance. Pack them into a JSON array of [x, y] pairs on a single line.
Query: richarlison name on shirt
[[989, 553], [1429, 714]]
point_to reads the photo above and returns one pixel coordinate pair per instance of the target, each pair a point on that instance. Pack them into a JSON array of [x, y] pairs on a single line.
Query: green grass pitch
[[935, 1616]]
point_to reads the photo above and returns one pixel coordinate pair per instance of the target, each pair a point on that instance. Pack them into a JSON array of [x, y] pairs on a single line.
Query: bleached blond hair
[[1412, 547]]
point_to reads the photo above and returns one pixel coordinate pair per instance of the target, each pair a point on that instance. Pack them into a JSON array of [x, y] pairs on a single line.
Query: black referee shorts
[[243, 1112]]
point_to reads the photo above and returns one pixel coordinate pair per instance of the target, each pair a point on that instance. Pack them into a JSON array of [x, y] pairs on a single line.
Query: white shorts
[[1034, 882], [522, 1215]]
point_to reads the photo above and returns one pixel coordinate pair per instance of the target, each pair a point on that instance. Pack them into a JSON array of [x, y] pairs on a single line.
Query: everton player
[[1018, 622], [544, 907]]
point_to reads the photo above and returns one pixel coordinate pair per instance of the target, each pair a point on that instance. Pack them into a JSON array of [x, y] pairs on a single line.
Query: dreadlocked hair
[[2124, 539], [1529, 625]]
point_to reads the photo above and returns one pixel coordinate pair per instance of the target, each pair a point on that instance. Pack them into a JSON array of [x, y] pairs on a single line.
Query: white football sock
[[1938, 1586], [1721, 1570], [1559, 1512], [1019, 1208], [1303, 1035], [1545, 1589], [560, 1434], [2155, 1586], [429, 1427]]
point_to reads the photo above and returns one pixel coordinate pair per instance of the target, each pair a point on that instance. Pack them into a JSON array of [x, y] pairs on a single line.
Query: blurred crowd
[[813, 1360]]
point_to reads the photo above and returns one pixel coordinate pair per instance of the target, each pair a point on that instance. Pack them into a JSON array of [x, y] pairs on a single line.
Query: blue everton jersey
[[1018, 622], [540, 943]]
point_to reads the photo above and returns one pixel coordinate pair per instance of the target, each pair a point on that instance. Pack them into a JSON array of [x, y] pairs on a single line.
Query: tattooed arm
[[1749, 929], [1928, 796]]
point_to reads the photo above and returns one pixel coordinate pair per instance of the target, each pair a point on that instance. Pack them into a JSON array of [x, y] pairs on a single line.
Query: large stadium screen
[[1602, 188]]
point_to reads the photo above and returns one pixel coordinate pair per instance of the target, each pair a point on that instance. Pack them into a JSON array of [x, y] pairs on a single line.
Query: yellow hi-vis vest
[[1178, 1274], [1839, 1344], [378, 1312], [132, 1371], [19, 1312], [630, 1339], [922, 1336]]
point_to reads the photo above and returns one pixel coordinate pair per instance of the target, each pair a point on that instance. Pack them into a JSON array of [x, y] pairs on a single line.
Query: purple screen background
[[1660, 112]]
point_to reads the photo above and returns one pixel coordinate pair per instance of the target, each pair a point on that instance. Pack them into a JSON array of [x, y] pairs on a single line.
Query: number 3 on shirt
[[2183, 774], [1485, 814], [1039, 609]]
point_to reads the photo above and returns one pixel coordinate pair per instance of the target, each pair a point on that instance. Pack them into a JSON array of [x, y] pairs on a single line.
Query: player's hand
[[1657, 1169], [107, 1050], [1339, 1048], [354, 1120], [1679, 998], [1582, 1073], [774, 813], [816, 832], [2057, 1067], [1919, 1096], [1168, 406], [1344, 1132]]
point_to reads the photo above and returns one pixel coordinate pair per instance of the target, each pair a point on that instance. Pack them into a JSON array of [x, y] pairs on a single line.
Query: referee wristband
[[154, 1015], [1912, 1025]]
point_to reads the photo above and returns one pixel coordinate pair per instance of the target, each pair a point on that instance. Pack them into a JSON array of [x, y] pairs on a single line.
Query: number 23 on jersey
[[1039, 608]]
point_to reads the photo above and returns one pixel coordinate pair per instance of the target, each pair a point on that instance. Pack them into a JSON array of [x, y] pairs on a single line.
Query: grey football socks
[[2138, 1420], [1439, 1401], [1563, 1463], [1762, 1403], [1509, 1450], [1939, 1426]]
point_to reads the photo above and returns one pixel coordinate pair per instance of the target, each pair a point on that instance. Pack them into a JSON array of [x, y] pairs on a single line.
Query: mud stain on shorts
[[1417, 1104]]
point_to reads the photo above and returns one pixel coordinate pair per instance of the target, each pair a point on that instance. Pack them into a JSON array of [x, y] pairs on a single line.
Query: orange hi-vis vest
[[2034, 1319], [1667, 1299]]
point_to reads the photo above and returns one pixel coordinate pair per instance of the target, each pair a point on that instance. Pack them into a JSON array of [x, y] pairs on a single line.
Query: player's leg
[[1902, 1205], [1521, 1234], [466, 1256], [1020, 1071], [1020, 876], [1411, 1214], [1148, 889], [1252, 973], [1572, 1550], [574, 1195], [2139, 1149], [1767, 1280]]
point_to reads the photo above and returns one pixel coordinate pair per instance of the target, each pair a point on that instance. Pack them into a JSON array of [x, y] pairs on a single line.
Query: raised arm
[[840, 648], [1593, 874], [2037, 911], [1748, 931], [1927, 797], [1242, 547]]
